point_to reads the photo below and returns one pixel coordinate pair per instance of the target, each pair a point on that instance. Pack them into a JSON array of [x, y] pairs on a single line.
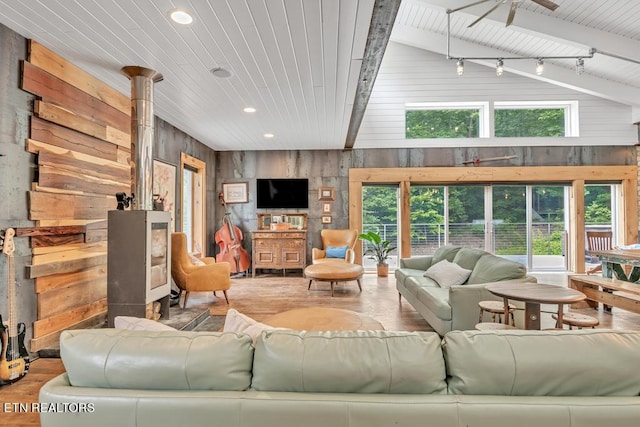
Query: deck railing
[[508, 239]]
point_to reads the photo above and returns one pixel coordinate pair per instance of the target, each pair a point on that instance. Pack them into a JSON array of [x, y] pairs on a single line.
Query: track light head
[[540, 67], [460, 66], [580, 66]]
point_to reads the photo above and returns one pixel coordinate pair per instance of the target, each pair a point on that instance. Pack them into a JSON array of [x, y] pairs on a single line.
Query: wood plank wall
[[80, 132]]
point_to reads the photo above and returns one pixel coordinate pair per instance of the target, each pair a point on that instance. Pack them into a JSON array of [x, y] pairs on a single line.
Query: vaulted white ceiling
[[298, 61], [573, 29]]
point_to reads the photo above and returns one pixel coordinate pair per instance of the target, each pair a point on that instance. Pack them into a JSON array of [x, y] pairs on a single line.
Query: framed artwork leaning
[[164, 188]]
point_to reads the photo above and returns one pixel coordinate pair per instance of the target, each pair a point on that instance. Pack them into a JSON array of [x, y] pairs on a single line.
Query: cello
[[229, 238]]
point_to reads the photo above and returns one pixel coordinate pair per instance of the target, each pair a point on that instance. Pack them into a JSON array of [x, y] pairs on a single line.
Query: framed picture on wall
[[236, 192], [326, 219], [326, 208], [326, 193]]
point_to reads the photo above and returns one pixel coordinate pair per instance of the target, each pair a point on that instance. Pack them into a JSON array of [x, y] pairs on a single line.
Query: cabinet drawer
[[292, 243], [262, 235], [292, 235], [264, 243]]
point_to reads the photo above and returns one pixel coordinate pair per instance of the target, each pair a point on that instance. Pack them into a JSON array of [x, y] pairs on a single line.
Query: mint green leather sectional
[[455, 307], [128, 378]]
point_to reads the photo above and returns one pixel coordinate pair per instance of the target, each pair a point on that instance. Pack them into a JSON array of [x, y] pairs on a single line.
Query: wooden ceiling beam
[[384, 15]]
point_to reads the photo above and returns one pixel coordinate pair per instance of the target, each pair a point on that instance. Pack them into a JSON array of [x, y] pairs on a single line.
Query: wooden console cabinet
[[279, 250]]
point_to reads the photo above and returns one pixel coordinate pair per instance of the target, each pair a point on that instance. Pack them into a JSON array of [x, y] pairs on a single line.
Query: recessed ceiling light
[[220, 72], [249, 110], [181, 17], [268, 135]]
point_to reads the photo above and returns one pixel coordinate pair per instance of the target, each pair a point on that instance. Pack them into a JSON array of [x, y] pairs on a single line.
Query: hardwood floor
[[16, 399], [269, 294]]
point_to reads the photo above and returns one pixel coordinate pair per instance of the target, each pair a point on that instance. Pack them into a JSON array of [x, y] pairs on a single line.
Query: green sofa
[[131, 378], [455, 307]]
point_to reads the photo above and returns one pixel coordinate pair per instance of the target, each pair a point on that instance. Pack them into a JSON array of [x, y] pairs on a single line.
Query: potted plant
[[378, 250]]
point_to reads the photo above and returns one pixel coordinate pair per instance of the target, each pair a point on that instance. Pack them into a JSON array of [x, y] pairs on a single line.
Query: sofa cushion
[[492, 268], [413, 285], [468, 257], [402, 274], [543, 363], [447, 274], [243, 324], [436, 299], [349, 362], [139, 324], [447, 252], [157, 360]]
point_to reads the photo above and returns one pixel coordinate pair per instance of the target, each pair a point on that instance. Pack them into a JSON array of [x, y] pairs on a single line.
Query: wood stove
[[138, 263]]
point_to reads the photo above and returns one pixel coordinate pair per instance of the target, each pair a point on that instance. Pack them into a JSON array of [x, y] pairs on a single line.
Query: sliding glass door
[[428, 230], [509, 222], [525, 223], [548, 227], [380, 214], [466, 216]]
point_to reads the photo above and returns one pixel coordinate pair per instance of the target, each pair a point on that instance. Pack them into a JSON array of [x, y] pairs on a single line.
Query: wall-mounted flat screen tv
[[282, 193]]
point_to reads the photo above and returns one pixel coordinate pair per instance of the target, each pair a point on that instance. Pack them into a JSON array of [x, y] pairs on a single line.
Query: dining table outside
[[534, 294], [614, 262]]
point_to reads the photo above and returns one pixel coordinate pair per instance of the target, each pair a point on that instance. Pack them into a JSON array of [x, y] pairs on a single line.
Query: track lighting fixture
[[460, 66], [540, 67], [539, 70], [499, 67]]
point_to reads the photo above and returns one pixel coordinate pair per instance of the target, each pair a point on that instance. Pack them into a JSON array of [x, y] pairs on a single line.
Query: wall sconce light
[[499, 67], [460, 67], [539, 67]]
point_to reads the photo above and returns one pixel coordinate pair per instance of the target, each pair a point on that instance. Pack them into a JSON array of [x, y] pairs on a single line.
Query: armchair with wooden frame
[[209, 276], [598, 241], [333, 239]]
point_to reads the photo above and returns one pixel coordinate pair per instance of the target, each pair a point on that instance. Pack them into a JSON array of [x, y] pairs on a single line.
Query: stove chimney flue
[[142, 135]]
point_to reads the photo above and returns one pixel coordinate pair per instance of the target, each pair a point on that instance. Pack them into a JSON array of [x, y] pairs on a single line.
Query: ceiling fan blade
[[469, 5], [512, 12], [484, 15], [546, 3]]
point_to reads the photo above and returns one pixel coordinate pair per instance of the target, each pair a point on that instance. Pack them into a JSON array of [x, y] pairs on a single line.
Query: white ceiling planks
[[295, 61]]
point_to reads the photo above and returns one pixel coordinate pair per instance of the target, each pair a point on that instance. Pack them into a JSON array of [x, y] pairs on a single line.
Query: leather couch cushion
[[492, 268], [543, 363], [468, 257], [447, 252], [415, 284], [157, 360], [436, 299], [402, 274], [349, 362]]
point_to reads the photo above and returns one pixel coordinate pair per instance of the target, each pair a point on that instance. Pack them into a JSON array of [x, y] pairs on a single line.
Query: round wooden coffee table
[[323, 319], [334, 272]]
